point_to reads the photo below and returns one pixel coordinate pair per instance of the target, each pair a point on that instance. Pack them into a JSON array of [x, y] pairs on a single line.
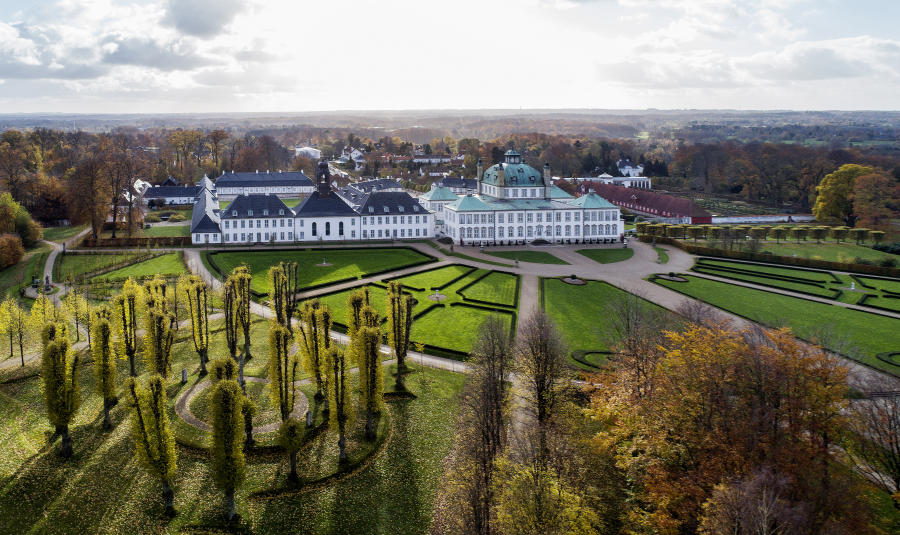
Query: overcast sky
[[290, 55]]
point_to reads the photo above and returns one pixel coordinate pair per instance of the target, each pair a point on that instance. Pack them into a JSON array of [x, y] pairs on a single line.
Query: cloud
[[202, 18], [148, 53]]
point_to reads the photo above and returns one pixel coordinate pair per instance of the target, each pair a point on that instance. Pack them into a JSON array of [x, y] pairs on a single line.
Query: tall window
[[314, 228], [328, 228], [341, 228]]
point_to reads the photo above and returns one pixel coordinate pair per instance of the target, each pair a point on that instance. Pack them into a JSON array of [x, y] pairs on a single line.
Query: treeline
[[692, 427]]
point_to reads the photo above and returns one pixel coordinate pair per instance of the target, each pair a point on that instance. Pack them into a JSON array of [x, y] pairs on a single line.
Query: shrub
[[11, 250], [888, 262], [152, 218], [893, 248], [175, 218]]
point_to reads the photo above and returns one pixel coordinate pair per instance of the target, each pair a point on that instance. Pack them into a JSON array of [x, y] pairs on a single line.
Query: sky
[[183, 56]]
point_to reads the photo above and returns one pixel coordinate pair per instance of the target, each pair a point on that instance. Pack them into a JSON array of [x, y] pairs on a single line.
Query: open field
[[607, 256], [536, 257], [344, 263], [167, 265], [859, 335], [102, 489]]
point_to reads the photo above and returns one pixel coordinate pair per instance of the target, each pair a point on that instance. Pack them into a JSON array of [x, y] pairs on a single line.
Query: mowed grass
[[579, 312], [453, 327], [535, 257], [887, 285], [833, 252], [607, 256], [102, 489], [74, 265], [18, 275], [495, 288], [859, 335], [814, 276], [167, 265], [436, 277], [165, 231], [61, 234], [345, 263]]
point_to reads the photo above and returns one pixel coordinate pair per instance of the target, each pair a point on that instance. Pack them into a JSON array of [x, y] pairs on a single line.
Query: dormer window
[[234, 213], [415, 208], [281, 211], [371, 209], [400, 208], [386, 210], [249, 212], [265, 212]]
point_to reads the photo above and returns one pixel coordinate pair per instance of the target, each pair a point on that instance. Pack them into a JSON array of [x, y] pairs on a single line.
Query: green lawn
[[578, 312], [536, 257], [158, 231], [833, 252], [102, 488], [661, 255], [436, 277], [449, 327], [888, 285], [782, 271], [495, 288], [859, 335], [14, 277], [473, 259], [345, 263], [61, 234], [167, 265], [73, 265], [607, 256]]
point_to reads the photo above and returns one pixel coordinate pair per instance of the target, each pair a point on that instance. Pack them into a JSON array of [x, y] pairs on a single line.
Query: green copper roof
[[469, 203], [514, 174], [440, 193], [558, 193], [591, 201]]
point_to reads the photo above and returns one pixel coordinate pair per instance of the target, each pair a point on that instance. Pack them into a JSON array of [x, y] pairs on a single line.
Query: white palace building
[[515, 203], [324, 215]]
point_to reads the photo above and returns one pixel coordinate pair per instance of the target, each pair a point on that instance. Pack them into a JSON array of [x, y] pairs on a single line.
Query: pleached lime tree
[[228, 461], [53, 331], [154, 443], [61, 393], [195, 295], [368, 346], [43, 311], [158, 342], [104, 367], [125, 314], [340, 400], [283, 297], [315, 324], [400, 320]]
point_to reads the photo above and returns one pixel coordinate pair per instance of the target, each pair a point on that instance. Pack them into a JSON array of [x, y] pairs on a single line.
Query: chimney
[[546, 177]]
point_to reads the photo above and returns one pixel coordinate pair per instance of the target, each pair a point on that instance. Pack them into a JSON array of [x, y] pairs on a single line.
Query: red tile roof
[[647, 201]]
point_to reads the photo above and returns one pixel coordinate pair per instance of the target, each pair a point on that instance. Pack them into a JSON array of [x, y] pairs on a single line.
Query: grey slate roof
[[318, 205], [456, 182], [205, 216], [390, 203], [240, 180], [369, 186], [168, 192], [256, 205]]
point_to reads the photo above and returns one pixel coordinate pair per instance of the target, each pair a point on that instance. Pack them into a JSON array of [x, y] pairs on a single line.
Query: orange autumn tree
[[725, 405]]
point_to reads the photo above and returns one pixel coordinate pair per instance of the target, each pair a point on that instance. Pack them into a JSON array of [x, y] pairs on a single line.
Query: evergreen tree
[[61, 393], [336, 365], [195, 295], [154, 443], [125, 312], [158, 342], [104, 367], [368, 346], [228, 462], [400, 307]]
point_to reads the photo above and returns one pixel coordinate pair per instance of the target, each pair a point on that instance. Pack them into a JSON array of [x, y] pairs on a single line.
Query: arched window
[[328, 228], [549, 231], [341, 228], [558, 229], [521, 233], [593, 230], [314, 228]]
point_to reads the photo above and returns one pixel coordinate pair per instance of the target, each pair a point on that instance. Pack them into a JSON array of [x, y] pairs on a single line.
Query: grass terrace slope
[[343, 264], [859, 335]]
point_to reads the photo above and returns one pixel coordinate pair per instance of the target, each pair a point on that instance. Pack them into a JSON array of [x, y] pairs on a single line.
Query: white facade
[[278, 229], [308, 152], [311, 229], [400, 226], [281, 191]]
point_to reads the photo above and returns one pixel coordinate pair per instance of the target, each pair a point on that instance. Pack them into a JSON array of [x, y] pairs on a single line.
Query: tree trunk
[[66, 450], [22, 354], [203, 371], [398, 383], [247, 355], [131, 367], [248, 429], [107, 423], [168, 496], [342, 445], [292, 476], [241, 371], [370, 425], [229, 505]]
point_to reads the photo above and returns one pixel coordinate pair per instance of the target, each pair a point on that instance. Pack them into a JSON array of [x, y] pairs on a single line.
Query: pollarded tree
[[290, 437], [695, 232], [61, 394], [154, 443], [839, 233], [339, 399], [859, 234], [356, 302], [400, 319], [283, 367], [125, 314], [877, 236], [242, 279], [368, 346], [798, 233], [158, 342], [19, 325], [819, 233], [230, 307], [779, 233], [156, 293], [78, 310], [104, 367], [195, 295], [52, 332], [283, 297], [315, 324], [228, 462]]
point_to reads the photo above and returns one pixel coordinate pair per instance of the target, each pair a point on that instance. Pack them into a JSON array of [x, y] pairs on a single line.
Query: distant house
[[629, 168], [432, 159], [659, 206], [641, 182], [394, 214], [324, 215], [171, 195], [257, 218], [308, 152], [283, 184], [458, 185], [205, 219]]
